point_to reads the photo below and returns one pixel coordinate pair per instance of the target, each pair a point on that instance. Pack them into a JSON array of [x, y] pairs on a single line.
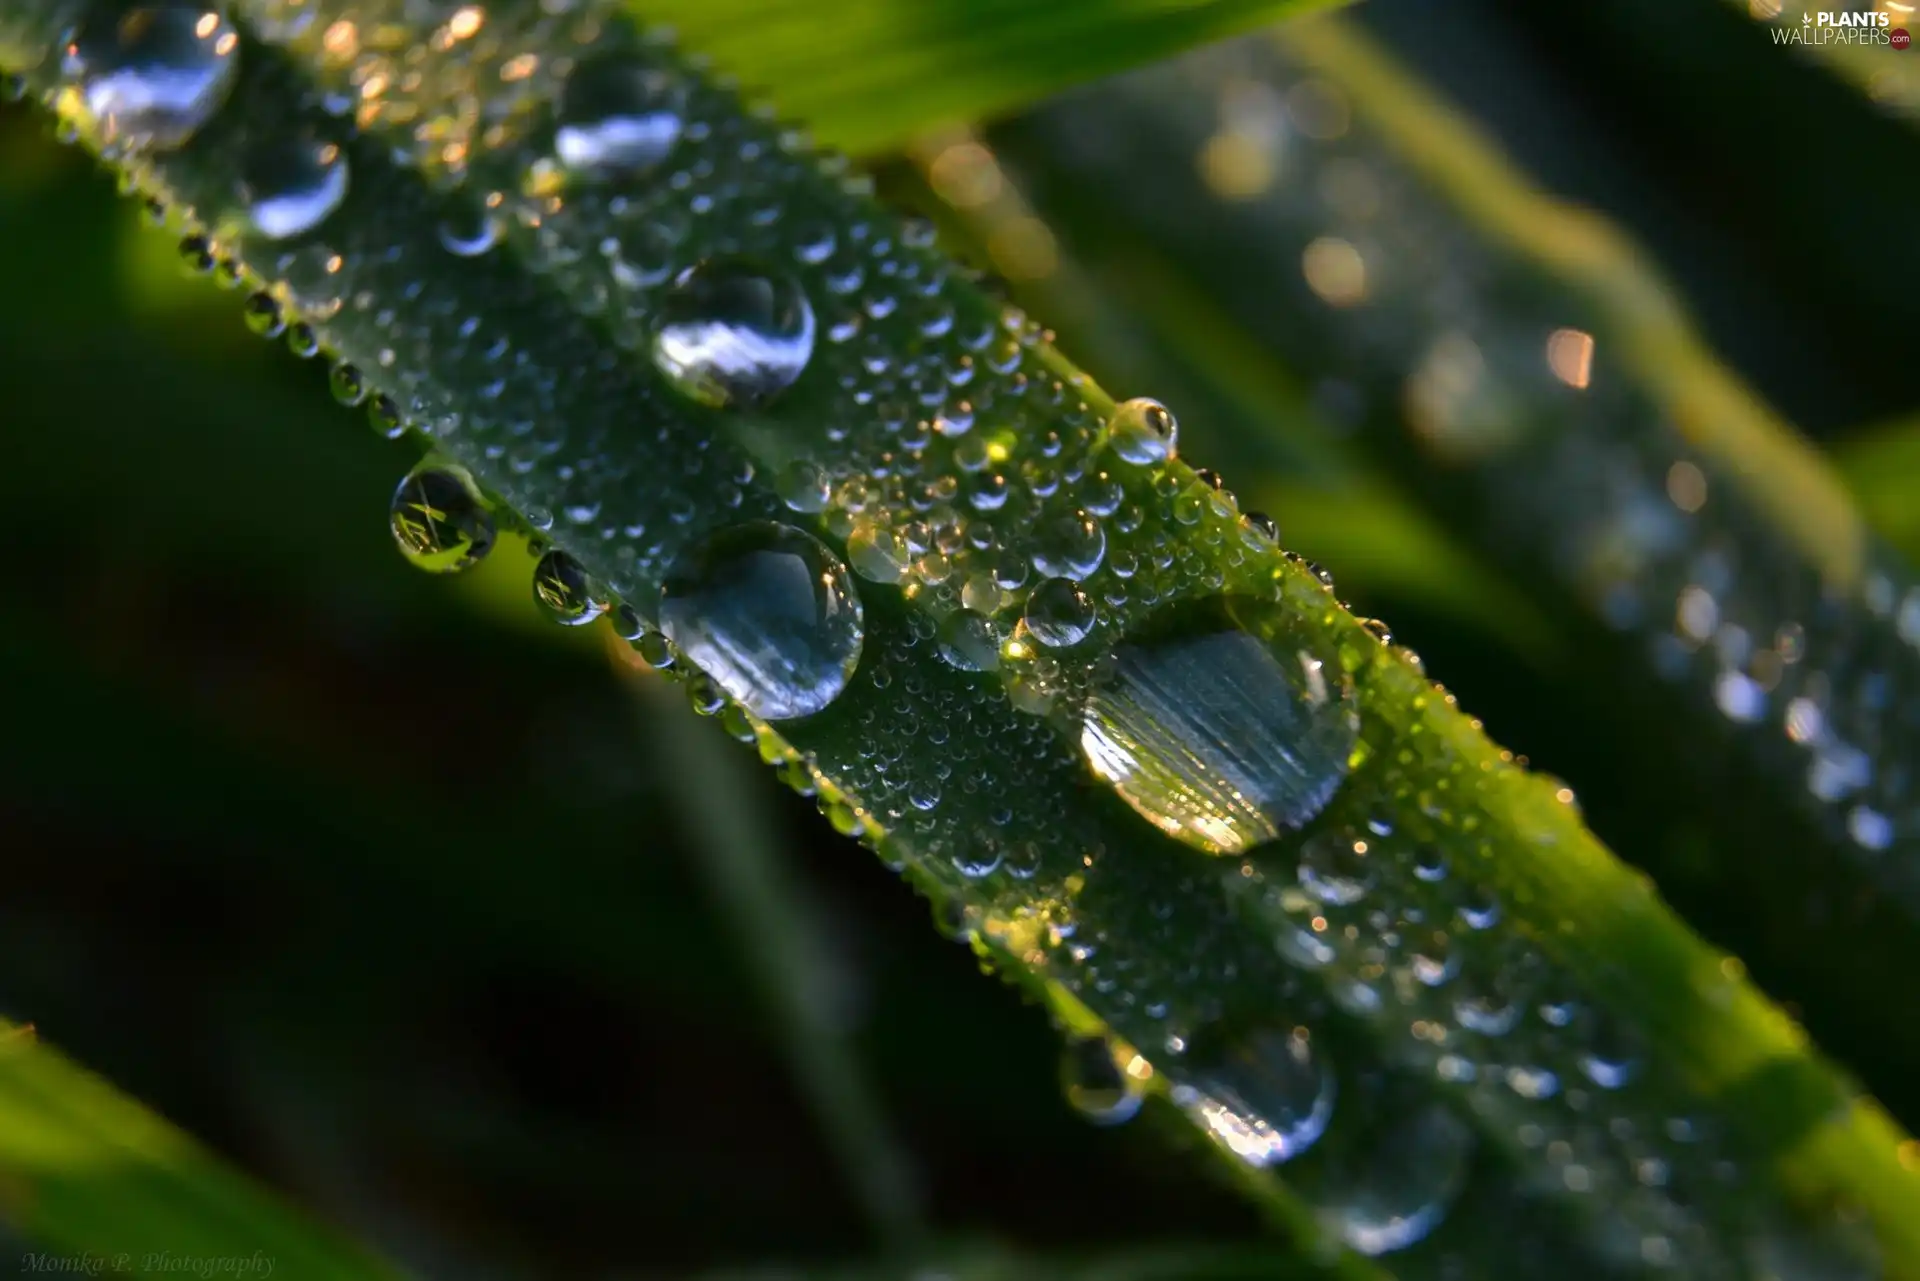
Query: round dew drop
[[563, 588], [1267, 1096], [1143, 432], [440, 521], [290, 186], [732, 334], [1059, 613], [1392, 1186], [151, 76], [1095, 1084], [1221, 724], [967, 641], [771, 614], [618, 118]]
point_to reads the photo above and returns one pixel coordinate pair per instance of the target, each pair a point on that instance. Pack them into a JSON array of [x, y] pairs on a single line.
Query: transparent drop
[[967, 641], [771, 614], [618, 117], [563, 588], [1267, 1096], [469, 233], [804, 487], [440, 521], [1143, 432], [1096, 1085], [150, 76], [1059, 614], [1337, 870], [1391, 1187], [289, 186], [1070, 547], [1221, 724], [732, 334]]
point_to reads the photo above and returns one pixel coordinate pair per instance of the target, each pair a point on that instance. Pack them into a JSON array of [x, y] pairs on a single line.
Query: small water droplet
[[1059, 613], [968, 642], [618, 117], [1095, 1084], [289, 186], [469, 233], [1337, 869], [732, 334], [563, 588], [1221, 724], [1267, 1096], [439, 519], [771, 614], [804, 487], [1143, 432], [150, 76]]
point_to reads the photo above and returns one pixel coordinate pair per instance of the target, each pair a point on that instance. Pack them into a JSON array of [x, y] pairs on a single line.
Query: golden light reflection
[[965, 175], [1236, 166], [1687, 486], [519, 68], [342, 40], [466, 22], [1335, 271], [1570, 356], [207, 25]]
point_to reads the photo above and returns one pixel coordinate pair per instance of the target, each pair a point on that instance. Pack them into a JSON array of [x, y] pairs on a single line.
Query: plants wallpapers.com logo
[[1827, 27]]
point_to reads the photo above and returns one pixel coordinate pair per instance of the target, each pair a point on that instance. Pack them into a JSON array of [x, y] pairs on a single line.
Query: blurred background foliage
[[401, 900]]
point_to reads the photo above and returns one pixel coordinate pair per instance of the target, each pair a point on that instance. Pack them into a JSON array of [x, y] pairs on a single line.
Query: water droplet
[[1143, 432], [1095, 1083], [469, 233], [1059, 614], [1221, 724], [1070, 546], [289, 186], [804, 487], [151, 76], [1390, 1188], [771, 614], [440, 521], [730, 333], [563, 588], [1337, 869], [968, 642], [1267, 1096], [618, 117]]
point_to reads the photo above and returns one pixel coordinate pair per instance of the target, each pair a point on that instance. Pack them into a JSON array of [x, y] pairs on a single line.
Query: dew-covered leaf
[[1383, 971], [1517, 367]]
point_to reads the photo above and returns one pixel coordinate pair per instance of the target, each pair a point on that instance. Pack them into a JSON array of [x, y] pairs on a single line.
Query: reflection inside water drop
[[439, 520], [618, 117], [290, 186], [1389, 1182], [1267, 1096], [151, 76], [771, 614], [730, 333], [1222, 724], [1095, 1083]]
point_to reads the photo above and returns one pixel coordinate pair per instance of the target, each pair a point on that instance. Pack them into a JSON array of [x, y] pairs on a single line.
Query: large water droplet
[[152, 75], [1070, 546], [1095, 1084], [1059, 614], [772, 615], [1392, 1184], [564, 589], [1143, 432], [1267, 1096], [968, 642], [290, 185], [730, 333], [440, 521], [1222, 724], [618, 117]]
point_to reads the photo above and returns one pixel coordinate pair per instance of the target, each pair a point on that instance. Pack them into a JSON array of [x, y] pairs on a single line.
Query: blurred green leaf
[[881, 72], [1882, 466], [91, 1175]]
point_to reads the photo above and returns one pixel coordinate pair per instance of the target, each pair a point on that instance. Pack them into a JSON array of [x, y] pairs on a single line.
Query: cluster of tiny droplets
[[1417, 327], [848, 382]]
